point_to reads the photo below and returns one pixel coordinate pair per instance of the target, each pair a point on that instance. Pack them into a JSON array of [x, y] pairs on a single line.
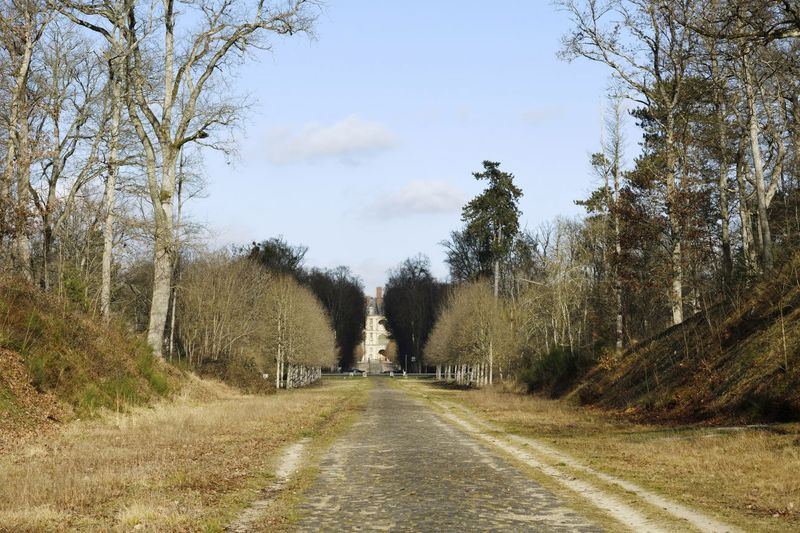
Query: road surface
[[402, 468]]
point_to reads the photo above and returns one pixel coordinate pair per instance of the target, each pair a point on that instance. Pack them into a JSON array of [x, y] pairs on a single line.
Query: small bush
[[157, 379], [556, 372], [240, 371], [589, 394], [89, 400]]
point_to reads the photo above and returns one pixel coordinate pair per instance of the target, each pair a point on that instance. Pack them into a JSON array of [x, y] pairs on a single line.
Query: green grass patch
[[156, 378], [8, 403]]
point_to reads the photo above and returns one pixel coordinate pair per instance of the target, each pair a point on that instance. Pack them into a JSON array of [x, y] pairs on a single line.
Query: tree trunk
[[491, 361], [110, 189], [163, 251], [617, 261], [47, 252], [676, 255], [758, 168], [162, 196], [724, 209], [497, 264], [796, 134], [744, 212], [162, 277], [22, 242], [722, 182], [17, 116]]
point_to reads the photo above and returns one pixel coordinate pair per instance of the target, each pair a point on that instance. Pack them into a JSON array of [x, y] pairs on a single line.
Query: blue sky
[[361, 142]]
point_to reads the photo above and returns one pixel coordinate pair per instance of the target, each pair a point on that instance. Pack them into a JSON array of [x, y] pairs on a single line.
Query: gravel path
[[401, 468]]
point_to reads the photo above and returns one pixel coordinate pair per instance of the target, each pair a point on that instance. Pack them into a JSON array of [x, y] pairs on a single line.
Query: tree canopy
[[412, 300]]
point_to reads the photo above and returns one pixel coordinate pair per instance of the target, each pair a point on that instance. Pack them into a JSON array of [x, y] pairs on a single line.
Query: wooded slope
[[732, 362]]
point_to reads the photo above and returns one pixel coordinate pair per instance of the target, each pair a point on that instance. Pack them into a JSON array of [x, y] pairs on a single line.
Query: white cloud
[[425, 197], [347, 139]]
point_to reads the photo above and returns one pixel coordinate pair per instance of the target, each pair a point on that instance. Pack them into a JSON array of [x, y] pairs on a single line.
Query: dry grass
[[747, 476], [188, 465]]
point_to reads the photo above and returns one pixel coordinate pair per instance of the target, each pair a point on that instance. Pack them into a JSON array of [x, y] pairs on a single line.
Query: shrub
[[241, 371], [556, 372], [157, 379]]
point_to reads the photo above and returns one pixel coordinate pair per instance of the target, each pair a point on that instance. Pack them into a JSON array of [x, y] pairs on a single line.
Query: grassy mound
[[733, 363], [72, 357]]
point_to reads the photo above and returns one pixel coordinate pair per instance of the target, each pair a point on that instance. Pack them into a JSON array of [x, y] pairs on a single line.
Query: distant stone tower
[[376, 337]]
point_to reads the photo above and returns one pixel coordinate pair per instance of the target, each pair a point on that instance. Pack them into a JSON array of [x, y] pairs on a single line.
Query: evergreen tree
[[493, 216]]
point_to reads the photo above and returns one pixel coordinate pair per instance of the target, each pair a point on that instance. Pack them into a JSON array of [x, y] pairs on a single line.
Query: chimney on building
[[379, 299]]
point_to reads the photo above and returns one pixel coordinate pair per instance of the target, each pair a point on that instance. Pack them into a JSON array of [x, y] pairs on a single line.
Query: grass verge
[[193, 464], [747, 477]]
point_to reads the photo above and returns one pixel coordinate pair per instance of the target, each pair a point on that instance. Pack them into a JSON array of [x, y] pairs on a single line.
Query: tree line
[[339, 291], [105, 109], [705, 209], [240, 321]]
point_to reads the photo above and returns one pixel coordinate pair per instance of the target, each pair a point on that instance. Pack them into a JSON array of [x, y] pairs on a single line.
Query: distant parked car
[[356, 371]]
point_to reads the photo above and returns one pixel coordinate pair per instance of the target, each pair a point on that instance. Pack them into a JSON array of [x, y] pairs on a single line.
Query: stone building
[[376, 337]]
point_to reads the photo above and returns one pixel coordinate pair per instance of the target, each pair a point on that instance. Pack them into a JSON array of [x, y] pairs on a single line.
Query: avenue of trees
[[105, 109], [339, 291], [246, 313], [241, 321], [705, 209]]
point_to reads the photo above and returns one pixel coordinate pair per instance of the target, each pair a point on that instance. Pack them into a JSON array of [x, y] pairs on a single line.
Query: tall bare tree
[[185, 109], [69, 80], [22, 24], [649, 50], [107, 19]]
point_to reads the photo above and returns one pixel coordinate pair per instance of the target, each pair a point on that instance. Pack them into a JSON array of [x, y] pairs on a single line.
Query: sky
[[361, 142]]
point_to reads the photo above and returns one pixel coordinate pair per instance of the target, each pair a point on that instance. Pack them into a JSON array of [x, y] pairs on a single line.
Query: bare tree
[[106, 19], [297, 331], [22, 24], [649, 50], [752, 20], [472, 336], [173, 92], [220, 310], [73, 120], [609, 164], [183, 112]]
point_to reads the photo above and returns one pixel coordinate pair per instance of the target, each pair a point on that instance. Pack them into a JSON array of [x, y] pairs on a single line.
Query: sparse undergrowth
[[191, 464], [733, 363], [747, 476]]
